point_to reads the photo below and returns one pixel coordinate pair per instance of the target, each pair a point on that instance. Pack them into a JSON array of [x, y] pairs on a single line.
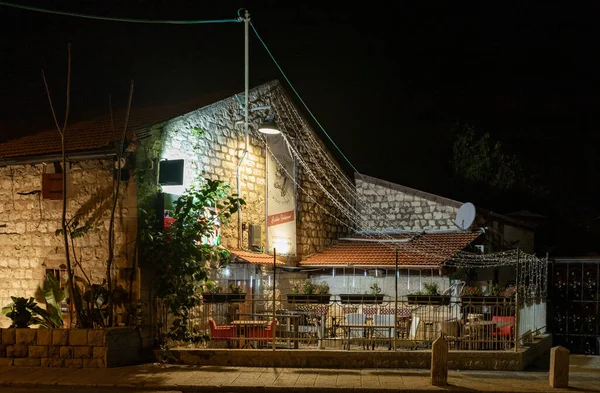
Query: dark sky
[[387, 80]]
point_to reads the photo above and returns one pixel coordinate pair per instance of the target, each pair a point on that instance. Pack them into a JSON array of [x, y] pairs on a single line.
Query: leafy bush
[[233, 288], [431, 288], [308, 288], [322, 288], [180, 253]]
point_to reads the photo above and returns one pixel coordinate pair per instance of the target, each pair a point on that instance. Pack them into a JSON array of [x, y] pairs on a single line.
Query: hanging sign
[[281, 201]]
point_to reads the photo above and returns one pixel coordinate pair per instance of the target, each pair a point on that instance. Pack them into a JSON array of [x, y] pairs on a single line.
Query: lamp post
[[246, 20], [267, 127]]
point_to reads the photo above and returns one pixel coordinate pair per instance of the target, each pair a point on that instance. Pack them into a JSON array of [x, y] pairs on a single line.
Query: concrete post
[[439, 362], [559, 367]]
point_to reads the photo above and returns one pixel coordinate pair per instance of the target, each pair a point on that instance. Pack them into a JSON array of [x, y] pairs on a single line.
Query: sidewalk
[[584, 377]]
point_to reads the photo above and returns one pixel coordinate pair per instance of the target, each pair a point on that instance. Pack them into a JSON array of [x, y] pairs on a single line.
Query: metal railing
[[474, 323]]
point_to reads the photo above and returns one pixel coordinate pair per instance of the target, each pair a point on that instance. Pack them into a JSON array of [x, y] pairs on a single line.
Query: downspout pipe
[[246, 19]]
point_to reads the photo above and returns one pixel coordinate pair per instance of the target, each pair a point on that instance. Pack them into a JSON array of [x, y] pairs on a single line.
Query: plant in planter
[[25, 312], [475, 295], [510, 291], [375, 289], [216, 294], [429, 296], [374, 297], [308, 292]]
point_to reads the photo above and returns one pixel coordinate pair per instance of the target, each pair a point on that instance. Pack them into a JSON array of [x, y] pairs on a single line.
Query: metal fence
[[468, 323]]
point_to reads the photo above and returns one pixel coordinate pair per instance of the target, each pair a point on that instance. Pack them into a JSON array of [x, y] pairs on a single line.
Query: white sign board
[[281, 197]]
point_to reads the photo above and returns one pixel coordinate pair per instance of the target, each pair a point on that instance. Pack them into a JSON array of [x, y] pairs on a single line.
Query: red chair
[[262, 335], [221, 333], [504, 334], [504, 331]]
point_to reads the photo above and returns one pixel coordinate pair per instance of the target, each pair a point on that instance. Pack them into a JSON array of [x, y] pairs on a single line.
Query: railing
[[476, 323], [531, 319]]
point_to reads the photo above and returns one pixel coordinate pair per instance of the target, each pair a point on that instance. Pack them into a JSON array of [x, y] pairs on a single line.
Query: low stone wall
[[418, 359], [88, 348]]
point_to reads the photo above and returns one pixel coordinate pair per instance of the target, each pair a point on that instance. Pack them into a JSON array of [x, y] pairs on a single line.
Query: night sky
[[387, 80]]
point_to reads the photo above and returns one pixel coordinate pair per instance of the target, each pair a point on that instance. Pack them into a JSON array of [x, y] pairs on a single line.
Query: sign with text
[[281, 201]]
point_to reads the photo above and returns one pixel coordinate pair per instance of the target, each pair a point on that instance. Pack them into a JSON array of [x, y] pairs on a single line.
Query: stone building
[[424, 229], [200, 136]]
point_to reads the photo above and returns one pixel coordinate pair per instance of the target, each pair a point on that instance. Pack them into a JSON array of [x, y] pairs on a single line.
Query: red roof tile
[[254, 258], [429, 249], [97, 134]]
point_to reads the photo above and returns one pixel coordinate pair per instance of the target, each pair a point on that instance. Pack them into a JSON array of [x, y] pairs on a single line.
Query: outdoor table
[[242, 328]]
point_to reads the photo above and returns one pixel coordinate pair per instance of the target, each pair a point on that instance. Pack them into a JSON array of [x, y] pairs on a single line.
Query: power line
[[126, 20]]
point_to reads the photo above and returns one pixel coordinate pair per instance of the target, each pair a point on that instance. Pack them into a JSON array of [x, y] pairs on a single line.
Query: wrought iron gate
[[574, 304]]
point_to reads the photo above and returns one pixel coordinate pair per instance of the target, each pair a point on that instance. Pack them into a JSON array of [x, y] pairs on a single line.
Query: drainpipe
[[246, 129]]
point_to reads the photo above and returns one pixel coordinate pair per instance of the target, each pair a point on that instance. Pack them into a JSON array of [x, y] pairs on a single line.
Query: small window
[[170, 173]]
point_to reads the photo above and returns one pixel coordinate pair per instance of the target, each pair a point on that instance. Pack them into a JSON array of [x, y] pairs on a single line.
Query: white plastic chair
[[383, 332]]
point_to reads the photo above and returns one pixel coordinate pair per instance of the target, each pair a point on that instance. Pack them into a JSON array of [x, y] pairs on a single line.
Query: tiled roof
[[97, 134], [254, 258], [428, 249]]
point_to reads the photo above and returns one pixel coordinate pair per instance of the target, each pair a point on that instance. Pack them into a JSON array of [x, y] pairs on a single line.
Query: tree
[[62, 131], [181, 252], [479, 159]]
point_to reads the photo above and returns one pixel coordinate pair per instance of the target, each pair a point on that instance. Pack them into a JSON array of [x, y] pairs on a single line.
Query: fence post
[[439, 362], [517, 305], [559, 367], [274, 324]]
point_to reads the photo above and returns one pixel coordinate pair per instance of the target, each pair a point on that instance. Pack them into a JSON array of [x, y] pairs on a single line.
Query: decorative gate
[[574, 304]]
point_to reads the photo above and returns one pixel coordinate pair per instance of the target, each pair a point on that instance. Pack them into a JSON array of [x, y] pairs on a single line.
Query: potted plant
[[374, 297], [496, 295], [308, 292], [430, 296], [216, 294]]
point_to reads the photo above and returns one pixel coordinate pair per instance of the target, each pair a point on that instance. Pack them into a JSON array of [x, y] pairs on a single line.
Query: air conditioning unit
[[254, 237]]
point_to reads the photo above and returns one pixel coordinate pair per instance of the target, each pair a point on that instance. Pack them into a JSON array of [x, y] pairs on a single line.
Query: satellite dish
[[465, 216]]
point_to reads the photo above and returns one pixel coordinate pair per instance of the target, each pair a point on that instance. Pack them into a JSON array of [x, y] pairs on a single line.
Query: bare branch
[[68, 104], [50, 102], [111, 229]]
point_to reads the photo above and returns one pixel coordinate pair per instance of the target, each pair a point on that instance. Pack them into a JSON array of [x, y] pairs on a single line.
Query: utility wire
[[300, 98], [127, 20]]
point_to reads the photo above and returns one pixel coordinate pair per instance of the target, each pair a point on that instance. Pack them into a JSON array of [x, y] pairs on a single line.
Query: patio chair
[[504, 334], [223, 333], [382, 333], [262, 335], [451, 331], [355, 332]]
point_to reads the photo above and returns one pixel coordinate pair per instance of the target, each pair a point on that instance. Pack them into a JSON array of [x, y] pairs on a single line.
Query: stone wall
[[395, 207], [28, 241], [87, 348], [211, 141]]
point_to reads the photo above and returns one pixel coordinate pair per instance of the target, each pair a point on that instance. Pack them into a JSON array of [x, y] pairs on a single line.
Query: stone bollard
[[559, 367], [439, 362]]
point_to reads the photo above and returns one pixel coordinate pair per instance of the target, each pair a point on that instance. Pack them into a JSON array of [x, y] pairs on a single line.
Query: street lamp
[[269, 126]]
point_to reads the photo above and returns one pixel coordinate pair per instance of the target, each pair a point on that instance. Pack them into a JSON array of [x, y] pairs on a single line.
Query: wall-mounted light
[[269, 126]]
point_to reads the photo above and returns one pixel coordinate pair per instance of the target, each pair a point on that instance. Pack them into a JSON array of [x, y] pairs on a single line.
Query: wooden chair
[[451, 331]]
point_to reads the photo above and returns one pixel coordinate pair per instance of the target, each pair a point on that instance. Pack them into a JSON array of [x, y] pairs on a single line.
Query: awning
[[428, 250], [254, 258]]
